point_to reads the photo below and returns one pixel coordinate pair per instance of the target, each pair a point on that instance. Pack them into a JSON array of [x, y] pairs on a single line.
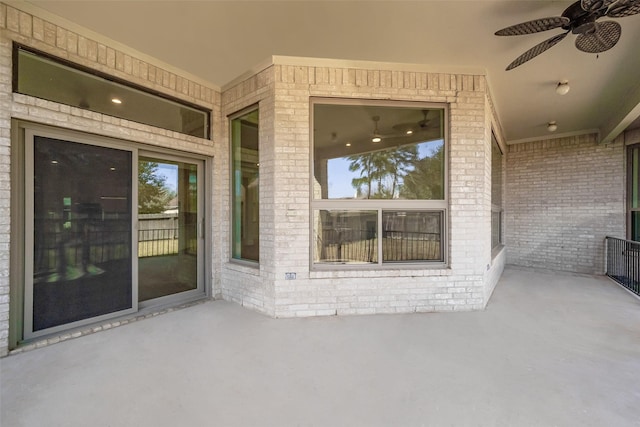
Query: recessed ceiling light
[[54, 162], [348, 144], [116, 100], [552, 126], [409, 132], [112, 168]]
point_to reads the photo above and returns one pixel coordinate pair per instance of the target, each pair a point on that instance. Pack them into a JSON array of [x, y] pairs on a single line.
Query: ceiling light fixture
[[563, 87], [552, 126], [376, 135], [116, 101], [348, 144]]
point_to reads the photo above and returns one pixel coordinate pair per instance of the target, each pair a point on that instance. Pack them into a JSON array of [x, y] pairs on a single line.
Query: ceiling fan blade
[[536, 50], [535, 26], [593, 5], [623, 8], [605, 36]]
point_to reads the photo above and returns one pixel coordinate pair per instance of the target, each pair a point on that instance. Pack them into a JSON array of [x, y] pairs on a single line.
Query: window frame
[[630, 187], [20, 285], [495, 208], [114, 82], [241, 261], [380, 205]]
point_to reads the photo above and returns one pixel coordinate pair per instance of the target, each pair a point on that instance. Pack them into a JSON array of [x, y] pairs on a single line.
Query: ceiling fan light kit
[[580, 19], [552, 126], [376, 134], [563, 87]]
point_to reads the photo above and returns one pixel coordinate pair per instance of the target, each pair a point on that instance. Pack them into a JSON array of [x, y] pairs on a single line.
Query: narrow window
[[633, 179], [496, 193], [245, 187]]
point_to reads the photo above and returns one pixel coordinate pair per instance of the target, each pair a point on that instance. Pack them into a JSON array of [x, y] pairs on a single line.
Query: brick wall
[[251, 286], [33, 31], [460, 287], [563, 197], [283, 93]]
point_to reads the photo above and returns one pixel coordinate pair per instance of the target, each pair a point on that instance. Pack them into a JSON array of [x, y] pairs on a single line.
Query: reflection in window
[[496, 193], [81, 232], [407, 162], [633, 192], [379, 193], [167, 227], [346, 236], [50, 79], [411, 236], [245, 184]]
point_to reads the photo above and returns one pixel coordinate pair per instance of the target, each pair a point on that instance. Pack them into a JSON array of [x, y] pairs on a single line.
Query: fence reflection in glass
[[379, 187]]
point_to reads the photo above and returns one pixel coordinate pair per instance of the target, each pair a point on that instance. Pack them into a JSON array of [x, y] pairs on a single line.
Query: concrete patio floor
[[550, 350]]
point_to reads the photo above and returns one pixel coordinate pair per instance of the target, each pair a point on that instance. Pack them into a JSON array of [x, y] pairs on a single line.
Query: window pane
[[48, 79], [496, 193], [496, 234], [346, 237], [167, 227], [81, 232], [634, 177], [378, 152], [411, 236], [635, 226], [496, 173], [246, 185]]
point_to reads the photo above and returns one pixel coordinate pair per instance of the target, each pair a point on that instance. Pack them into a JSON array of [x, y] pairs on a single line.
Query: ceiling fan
[[413, 127], [579, 18]]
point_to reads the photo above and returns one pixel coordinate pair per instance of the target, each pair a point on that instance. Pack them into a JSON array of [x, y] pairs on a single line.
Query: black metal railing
[[623, 262], [54, 251], [157, 242]]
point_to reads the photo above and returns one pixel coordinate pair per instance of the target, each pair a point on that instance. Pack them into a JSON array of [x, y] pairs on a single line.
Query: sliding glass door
[[80, 208], [108, 229], [169, 227]]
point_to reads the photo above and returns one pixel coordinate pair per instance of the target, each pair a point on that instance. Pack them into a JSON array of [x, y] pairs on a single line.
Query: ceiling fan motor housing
[[581, 21]]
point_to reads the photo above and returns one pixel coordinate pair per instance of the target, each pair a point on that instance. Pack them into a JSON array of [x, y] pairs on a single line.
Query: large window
[[496, 193], [245, 185], [379, 183]]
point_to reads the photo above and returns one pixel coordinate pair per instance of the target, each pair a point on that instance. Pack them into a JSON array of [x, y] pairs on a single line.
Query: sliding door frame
[[201, 226], [29, 141], [22, 227]]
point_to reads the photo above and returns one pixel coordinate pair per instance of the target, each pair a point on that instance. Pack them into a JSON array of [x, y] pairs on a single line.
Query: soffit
[[220, 40]]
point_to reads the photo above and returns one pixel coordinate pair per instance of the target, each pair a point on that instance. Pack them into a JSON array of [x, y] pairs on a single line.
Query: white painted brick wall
[[285, 200], [563, 197], [461, 287], [5, 181], [251, 287], [283, 93]]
